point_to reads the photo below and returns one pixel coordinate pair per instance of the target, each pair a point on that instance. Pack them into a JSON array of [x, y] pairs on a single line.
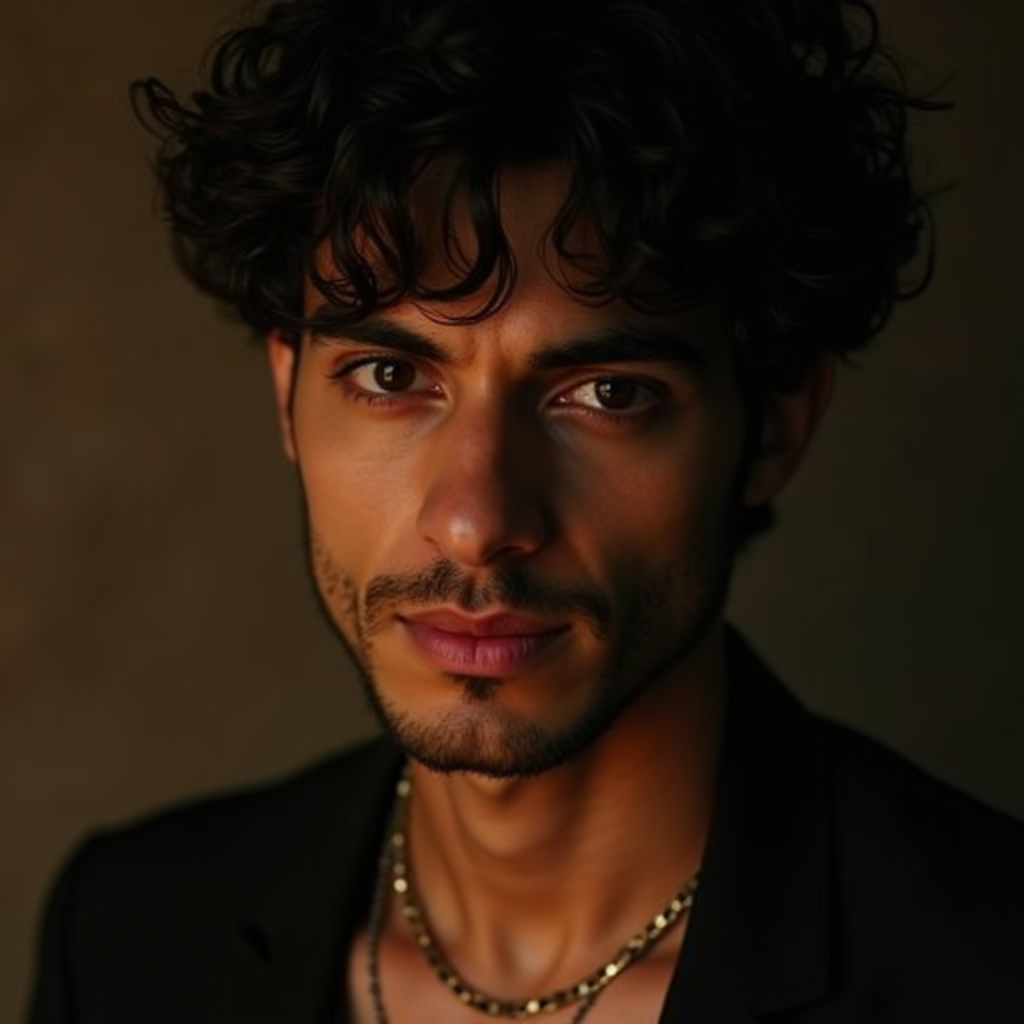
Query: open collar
[[758, 939]]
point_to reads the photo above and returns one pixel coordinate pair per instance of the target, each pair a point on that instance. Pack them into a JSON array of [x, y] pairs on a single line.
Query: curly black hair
[[754, 148]]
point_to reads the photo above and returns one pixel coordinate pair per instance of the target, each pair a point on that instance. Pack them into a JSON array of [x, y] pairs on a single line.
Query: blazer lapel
[[758, 939], [301, 927]]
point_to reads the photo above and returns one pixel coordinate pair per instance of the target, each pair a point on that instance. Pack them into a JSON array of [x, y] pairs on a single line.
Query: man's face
[[518, 524]]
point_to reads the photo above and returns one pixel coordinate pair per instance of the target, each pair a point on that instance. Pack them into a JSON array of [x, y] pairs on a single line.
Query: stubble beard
[[479, 735]]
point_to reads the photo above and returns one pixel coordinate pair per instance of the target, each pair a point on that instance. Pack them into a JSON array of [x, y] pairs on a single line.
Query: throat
[[542, 975], [551, 888], [560, 988]]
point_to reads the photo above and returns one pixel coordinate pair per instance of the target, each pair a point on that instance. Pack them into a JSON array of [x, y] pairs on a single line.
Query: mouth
[[492, 645]]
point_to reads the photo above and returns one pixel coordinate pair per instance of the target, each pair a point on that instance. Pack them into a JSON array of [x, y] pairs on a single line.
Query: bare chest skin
[[413, 994]]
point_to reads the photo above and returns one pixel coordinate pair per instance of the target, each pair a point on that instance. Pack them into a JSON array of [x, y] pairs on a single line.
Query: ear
[[789, 422], [283, 366]]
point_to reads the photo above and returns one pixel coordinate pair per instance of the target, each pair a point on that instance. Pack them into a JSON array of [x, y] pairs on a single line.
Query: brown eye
[[393, 374], [615, 393], [621, 398]]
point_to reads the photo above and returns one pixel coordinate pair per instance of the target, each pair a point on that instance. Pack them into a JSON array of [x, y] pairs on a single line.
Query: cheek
[[359, 507], [333, 581], [654, 502], [357, 493]]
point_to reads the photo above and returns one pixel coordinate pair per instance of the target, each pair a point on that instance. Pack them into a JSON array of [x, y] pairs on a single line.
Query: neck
[[529, 880]]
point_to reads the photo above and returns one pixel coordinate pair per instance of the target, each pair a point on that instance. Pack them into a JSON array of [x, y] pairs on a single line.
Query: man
[[552, 296]]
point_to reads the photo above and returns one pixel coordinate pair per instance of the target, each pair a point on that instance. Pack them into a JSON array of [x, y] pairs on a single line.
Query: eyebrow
[[373, 331], [623, 345], [613, 345]]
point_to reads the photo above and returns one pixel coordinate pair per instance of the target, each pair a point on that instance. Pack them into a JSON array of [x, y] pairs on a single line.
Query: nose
[[482, 502]]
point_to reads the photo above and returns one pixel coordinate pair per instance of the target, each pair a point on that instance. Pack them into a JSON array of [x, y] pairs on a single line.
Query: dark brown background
[[156, 632]]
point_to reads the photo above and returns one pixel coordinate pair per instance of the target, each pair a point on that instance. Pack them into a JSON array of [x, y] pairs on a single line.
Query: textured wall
[[157, 638]]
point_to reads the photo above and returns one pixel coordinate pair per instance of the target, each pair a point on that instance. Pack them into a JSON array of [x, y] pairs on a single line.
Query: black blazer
[[840, 884]]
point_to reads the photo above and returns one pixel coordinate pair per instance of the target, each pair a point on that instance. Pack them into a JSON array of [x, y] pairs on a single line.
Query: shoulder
[[224, 846], [176, 912], [880, 793], [907, 893], [930, 880], [882, 807]]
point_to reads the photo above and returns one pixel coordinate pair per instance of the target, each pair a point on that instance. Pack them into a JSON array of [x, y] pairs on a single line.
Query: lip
[[497, 623], [496, 644]]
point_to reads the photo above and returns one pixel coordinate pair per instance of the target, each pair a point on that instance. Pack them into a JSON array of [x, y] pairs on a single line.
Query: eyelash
[[360, 394], [649, 393], [623, 418]]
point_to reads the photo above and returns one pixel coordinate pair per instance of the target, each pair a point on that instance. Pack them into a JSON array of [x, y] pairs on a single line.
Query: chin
[[479, 733]]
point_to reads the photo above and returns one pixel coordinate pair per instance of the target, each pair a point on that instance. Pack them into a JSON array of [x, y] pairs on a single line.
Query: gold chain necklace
[[395, 869]]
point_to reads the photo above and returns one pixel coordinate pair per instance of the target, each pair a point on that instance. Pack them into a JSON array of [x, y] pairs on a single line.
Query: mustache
[[509, 585]]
